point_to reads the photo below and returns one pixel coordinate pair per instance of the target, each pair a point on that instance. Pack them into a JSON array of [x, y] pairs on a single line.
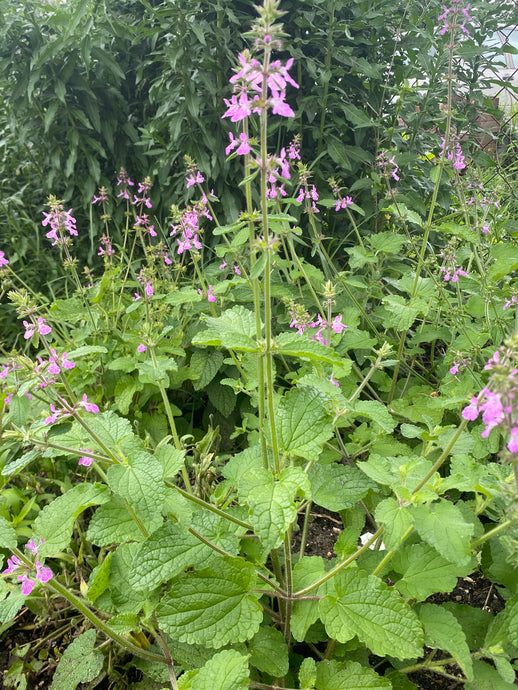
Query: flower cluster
[[498, 401], [211, 297], [389, 167], [67, 410], [16, 565], [41, 326], [301, 320], [62, 224], [3, 260], [452, 15], [105, 249], [251, 79], [450, 269], [454, 153]]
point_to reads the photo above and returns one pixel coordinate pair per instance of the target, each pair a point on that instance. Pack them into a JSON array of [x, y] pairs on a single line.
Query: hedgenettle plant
[[190, 557]]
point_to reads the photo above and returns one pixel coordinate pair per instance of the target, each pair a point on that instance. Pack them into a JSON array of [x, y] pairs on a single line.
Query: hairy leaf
[[80, 663], [303, 422], [212, 607]]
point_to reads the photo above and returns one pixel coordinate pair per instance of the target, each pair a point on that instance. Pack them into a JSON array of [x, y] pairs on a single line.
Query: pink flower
[[512, 446], [12, 564], [141, 348], [3, 260], [85, 460], [192, 180], [337, 325], [335, 383], [149, 289], [242, 148], [89, 407], [43, 574], [29, 330], [27, 583]]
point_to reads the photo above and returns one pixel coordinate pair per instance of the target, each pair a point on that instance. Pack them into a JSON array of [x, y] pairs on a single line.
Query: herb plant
[[170, 424]]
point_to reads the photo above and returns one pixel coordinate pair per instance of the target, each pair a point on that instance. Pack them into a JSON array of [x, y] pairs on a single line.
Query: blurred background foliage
[[88, 86]]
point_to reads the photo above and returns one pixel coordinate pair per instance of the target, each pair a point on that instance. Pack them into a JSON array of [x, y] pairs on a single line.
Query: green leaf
[[364, 606], [443, 631], [99, 579], [125, 598], [112, 524], [170, 458], [227, 670], [80, 663], [222, 397], [204, 366], [442, 525], [308, 674], [56, 521], [142, 486], [402, 312], [372, 409], [505, 257], [396, 520], [235, 329], [463, 231], [295, 345], [308, 570], [7, 535], [185, 295], [337, 487], [387, 242], [487, 678], [303, 422], [269, 652], [164, 554], [425, 572], [271, 502], [212, 608], [10, 606], [125, 389], [333, 675]]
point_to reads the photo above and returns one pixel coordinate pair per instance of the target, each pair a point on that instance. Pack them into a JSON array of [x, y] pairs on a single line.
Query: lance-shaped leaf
[[141, 485], [364, 606], [271, 502], [443, 631], [56, 521], [303, 422], [235, 329], [442, 525], [212, 607]]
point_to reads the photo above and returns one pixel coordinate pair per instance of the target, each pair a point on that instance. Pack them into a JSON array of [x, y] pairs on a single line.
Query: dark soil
[[48, 640]]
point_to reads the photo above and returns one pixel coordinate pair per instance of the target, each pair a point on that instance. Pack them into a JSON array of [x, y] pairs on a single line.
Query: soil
[[49, 643]]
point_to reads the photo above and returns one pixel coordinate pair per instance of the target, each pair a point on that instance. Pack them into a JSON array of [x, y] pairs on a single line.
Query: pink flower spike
[[210, 296], [141, 348]]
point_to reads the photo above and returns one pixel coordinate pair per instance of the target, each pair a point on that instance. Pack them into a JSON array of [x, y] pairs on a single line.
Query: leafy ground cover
[[174, 420]]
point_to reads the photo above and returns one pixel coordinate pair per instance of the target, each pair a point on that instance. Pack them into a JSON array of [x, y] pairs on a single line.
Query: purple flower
[[242, 144], [43, 574], [12, 564], [27, 583], [3, 260], [141, 348], [192, 180]]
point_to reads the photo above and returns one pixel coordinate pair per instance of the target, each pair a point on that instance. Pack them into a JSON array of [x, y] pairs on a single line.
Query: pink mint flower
[[149, 289], [344, 202], [243, 147], [89, 407], [192, 180], [43, 574], [27, 583], [85, 460], [3, 260], [141, 348], [335, 383], [211, 297], [42, 327]]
